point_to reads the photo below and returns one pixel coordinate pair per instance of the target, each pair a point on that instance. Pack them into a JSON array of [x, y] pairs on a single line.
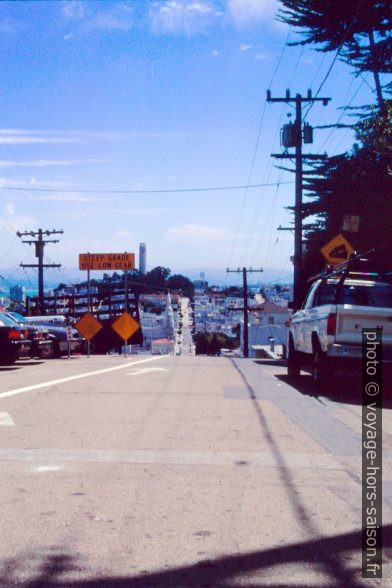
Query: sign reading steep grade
[[106, 261]]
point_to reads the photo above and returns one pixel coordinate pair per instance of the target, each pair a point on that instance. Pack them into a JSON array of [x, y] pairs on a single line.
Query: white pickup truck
[[326, 333]]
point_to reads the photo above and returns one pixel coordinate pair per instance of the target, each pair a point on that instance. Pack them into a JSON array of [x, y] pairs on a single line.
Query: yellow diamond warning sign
[[125, 326], [337, 250], [88, 326]]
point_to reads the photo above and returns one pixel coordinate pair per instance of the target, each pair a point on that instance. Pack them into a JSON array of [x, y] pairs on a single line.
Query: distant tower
[[142, 258]]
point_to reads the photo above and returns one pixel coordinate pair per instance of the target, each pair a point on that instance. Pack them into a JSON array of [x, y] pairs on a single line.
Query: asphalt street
[[181, 471]]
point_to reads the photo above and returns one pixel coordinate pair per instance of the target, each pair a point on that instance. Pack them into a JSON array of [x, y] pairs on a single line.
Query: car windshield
[[18, 317], [7, 321]]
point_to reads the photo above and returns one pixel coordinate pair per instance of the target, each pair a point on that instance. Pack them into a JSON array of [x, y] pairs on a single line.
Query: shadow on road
[[222, 572], [348, 391]]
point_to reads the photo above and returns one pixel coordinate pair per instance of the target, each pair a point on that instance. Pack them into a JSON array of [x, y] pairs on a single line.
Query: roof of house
[[269, 306]]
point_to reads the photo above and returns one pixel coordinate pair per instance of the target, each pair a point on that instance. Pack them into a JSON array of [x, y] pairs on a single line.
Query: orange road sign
[[106, 261], [88, 326], [337, 250], [125, 326]]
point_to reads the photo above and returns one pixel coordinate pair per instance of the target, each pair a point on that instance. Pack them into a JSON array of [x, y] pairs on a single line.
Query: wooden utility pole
[[245, 298], [294, 139], [40, 243]]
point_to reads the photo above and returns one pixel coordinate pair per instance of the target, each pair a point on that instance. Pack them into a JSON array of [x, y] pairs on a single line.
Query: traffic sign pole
[[88, 308]]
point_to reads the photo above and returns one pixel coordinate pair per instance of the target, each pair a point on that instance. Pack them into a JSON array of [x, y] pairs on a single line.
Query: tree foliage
[[359, 29], [212, 343], [357, 183]]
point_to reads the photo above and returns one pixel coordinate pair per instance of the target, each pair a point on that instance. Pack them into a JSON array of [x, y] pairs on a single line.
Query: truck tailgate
[[352, 319]]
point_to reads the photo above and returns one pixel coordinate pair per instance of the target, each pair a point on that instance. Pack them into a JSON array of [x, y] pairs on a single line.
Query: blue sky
[[99, 97]]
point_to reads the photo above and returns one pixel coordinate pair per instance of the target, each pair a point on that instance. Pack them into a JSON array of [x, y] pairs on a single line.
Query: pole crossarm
[[288, 98], [304, 156], [43, 265]]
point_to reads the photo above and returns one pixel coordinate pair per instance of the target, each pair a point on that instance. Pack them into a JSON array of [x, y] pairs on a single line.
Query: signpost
[[337, 250], [88, 326], [125, 326], [351, 223], [103, 262], [69, 337]]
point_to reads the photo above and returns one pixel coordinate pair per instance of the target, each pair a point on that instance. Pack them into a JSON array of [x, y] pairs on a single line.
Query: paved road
[[179, 471]]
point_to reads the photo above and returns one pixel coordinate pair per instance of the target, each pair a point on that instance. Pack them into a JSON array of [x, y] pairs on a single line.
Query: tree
[[357, 183], [179, 282], [157, 277], [360, 30]]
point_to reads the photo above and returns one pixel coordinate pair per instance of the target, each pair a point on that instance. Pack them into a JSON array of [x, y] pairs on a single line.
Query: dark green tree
[[157, 277], [359, 29], [179, 282], [357, 183]]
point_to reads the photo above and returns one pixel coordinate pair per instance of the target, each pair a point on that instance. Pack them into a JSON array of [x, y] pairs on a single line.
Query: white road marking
[[78, 377], [53, 468], [140, 371], [6, 420]]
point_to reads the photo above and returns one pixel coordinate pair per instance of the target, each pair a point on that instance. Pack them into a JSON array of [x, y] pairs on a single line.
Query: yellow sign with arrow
[[337, 250]]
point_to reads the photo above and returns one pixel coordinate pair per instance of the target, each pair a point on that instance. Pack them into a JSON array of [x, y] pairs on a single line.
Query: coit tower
[[142, 258]]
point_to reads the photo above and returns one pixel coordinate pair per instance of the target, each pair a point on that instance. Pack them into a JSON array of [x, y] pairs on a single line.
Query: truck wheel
[[293, 365], [319, 367]]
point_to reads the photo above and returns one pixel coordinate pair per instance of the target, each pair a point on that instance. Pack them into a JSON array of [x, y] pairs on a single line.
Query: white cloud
[[31, 183], [145, 211], [249, 12], [74, 10], [24, 136], [73, 198], [119, 18], [15, 222], [10, 26], [261, 56], [182, 16], [116, 17], [193, 232], [48, 162]]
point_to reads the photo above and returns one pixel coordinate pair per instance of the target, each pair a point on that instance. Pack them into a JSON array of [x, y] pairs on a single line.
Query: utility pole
[[292, 136], [40, 243], [245, 298]]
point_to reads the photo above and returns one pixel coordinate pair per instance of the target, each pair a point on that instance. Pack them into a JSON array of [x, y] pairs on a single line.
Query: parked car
[[14, 341], [326, 333], [57, 327], [42, 343]]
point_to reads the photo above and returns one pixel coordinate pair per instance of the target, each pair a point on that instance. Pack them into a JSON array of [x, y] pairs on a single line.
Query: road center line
[[77, 377]]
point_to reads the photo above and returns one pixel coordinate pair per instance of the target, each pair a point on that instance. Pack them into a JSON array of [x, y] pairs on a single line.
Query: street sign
[[337, 250], [106, 261], [125, 326], [351, 223], [88, 326]]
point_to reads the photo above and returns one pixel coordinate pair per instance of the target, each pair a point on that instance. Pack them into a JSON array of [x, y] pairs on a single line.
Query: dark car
[[14, 341], [42, 344]]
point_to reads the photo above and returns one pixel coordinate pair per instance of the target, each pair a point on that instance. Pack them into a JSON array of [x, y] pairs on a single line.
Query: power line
[[255, 150], [159, 191]]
